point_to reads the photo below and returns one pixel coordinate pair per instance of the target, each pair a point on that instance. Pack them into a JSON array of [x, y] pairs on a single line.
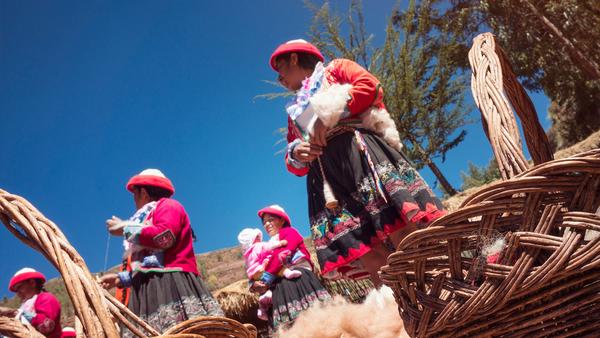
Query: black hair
[[155, 193], [305, 60], [39, 284]]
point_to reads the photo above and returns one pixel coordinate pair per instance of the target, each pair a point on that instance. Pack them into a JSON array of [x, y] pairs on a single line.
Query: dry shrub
[[377, 317]]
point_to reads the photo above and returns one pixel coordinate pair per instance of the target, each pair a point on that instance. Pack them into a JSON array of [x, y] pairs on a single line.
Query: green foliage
[[201, 267], [418, 69], [540, 57], [478, 176], [212, 282]]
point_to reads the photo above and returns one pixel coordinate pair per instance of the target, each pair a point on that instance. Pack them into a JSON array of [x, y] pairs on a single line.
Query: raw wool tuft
[[377, 317], [380, 121], [492, 250], [330, 103]]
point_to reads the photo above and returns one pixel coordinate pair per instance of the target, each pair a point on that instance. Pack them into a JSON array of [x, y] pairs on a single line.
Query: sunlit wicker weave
[[212, 327], [545, 280], [11, 327]]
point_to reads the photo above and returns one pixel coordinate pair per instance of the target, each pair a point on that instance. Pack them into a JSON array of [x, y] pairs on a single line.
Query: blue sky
[[93, 92]]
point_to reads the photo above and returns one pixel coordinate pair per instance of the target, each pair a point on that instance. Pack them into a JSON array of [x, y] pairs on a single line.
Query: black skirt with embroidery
[[292, 296], [165, 299], [378, 191]]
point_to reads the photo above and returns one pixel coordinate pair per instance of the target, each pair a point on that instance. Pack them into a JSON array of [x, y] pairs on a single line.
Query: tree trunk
[[448, 188], [441, 178], [588, 67]]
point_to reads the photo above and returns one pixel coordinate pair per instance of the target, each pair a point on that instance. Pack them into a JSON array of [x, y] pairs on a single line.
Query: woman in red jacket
[[164, 282], [39, 307], [289, 296], [364, 196]]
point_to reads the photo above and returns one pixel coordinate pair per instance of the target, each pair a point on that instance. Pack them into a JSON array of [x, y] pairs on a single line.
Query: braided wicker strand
[[94, 308], [11, 327]]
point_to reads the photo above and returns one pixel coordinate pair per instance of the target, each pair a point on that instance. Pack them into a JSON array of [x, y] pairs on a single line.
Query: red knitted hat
[[275, 210], [295, 46], [151, 177], [23, 275]]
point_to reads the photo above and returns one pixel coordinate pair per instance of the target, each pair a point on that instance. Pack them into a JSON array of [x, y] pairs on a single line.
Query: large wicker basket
[[543, 278]]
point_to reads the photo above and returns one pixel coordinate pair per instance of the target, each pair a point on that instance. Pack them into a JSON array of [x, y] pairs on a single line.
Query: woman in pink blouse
[[39, 307], [289, 296], [164, 284]]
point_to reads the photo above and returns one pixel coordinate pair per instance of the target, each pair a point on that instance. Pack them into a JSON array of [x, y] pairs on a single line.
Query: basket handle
[[497, 92]]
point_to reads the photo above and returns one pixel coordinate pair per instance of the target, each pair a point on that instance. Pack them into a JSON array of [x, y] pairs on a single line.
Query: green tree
[[478, 176], [417, 68], [552, 46], [212, 282]]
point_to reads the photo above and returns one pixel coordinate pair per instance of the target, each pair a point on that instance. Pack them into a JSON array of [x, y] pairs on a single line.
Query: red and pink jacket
[[47, 315], [347, 87], [171, 232], [295, 244]]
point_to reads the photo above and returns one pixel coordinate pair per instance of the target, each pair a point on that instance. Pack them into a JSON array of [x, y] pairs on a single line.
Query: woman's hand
[[115, 226], [110, 280], [7, 312], [318, 135], [307, 152]]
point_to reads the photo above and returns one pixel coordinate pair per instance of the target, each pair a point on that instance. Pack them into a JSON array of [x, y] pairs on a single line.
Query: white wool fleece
[[329, 104], [380, 121]]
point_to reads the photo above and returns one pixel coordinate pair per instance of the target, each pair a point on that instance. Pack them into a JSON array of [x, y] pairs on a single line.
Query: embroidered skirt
[[378, 191], [292, 296], [165, 299]]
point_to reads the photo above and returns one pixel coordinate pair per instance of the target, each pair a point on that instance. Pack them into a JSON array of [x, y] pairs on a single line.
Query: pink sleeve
[[167, 223], [293, 238], [255, 259], [47, 309]]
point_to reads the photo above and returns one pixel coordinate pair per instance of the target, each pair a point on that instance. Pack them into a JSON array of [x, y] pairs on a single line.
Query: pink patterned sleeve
[[167, 223]]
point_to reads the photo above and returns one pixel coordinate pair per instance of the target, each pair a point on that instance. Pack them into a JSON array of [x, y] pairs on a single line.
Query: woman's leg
[[373, 261], [377, 257]]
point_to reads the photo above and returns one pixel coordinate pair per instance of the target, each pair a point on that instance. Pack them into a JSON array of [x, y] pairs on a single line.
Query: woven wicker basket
[[214, 327], [543, 279]]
